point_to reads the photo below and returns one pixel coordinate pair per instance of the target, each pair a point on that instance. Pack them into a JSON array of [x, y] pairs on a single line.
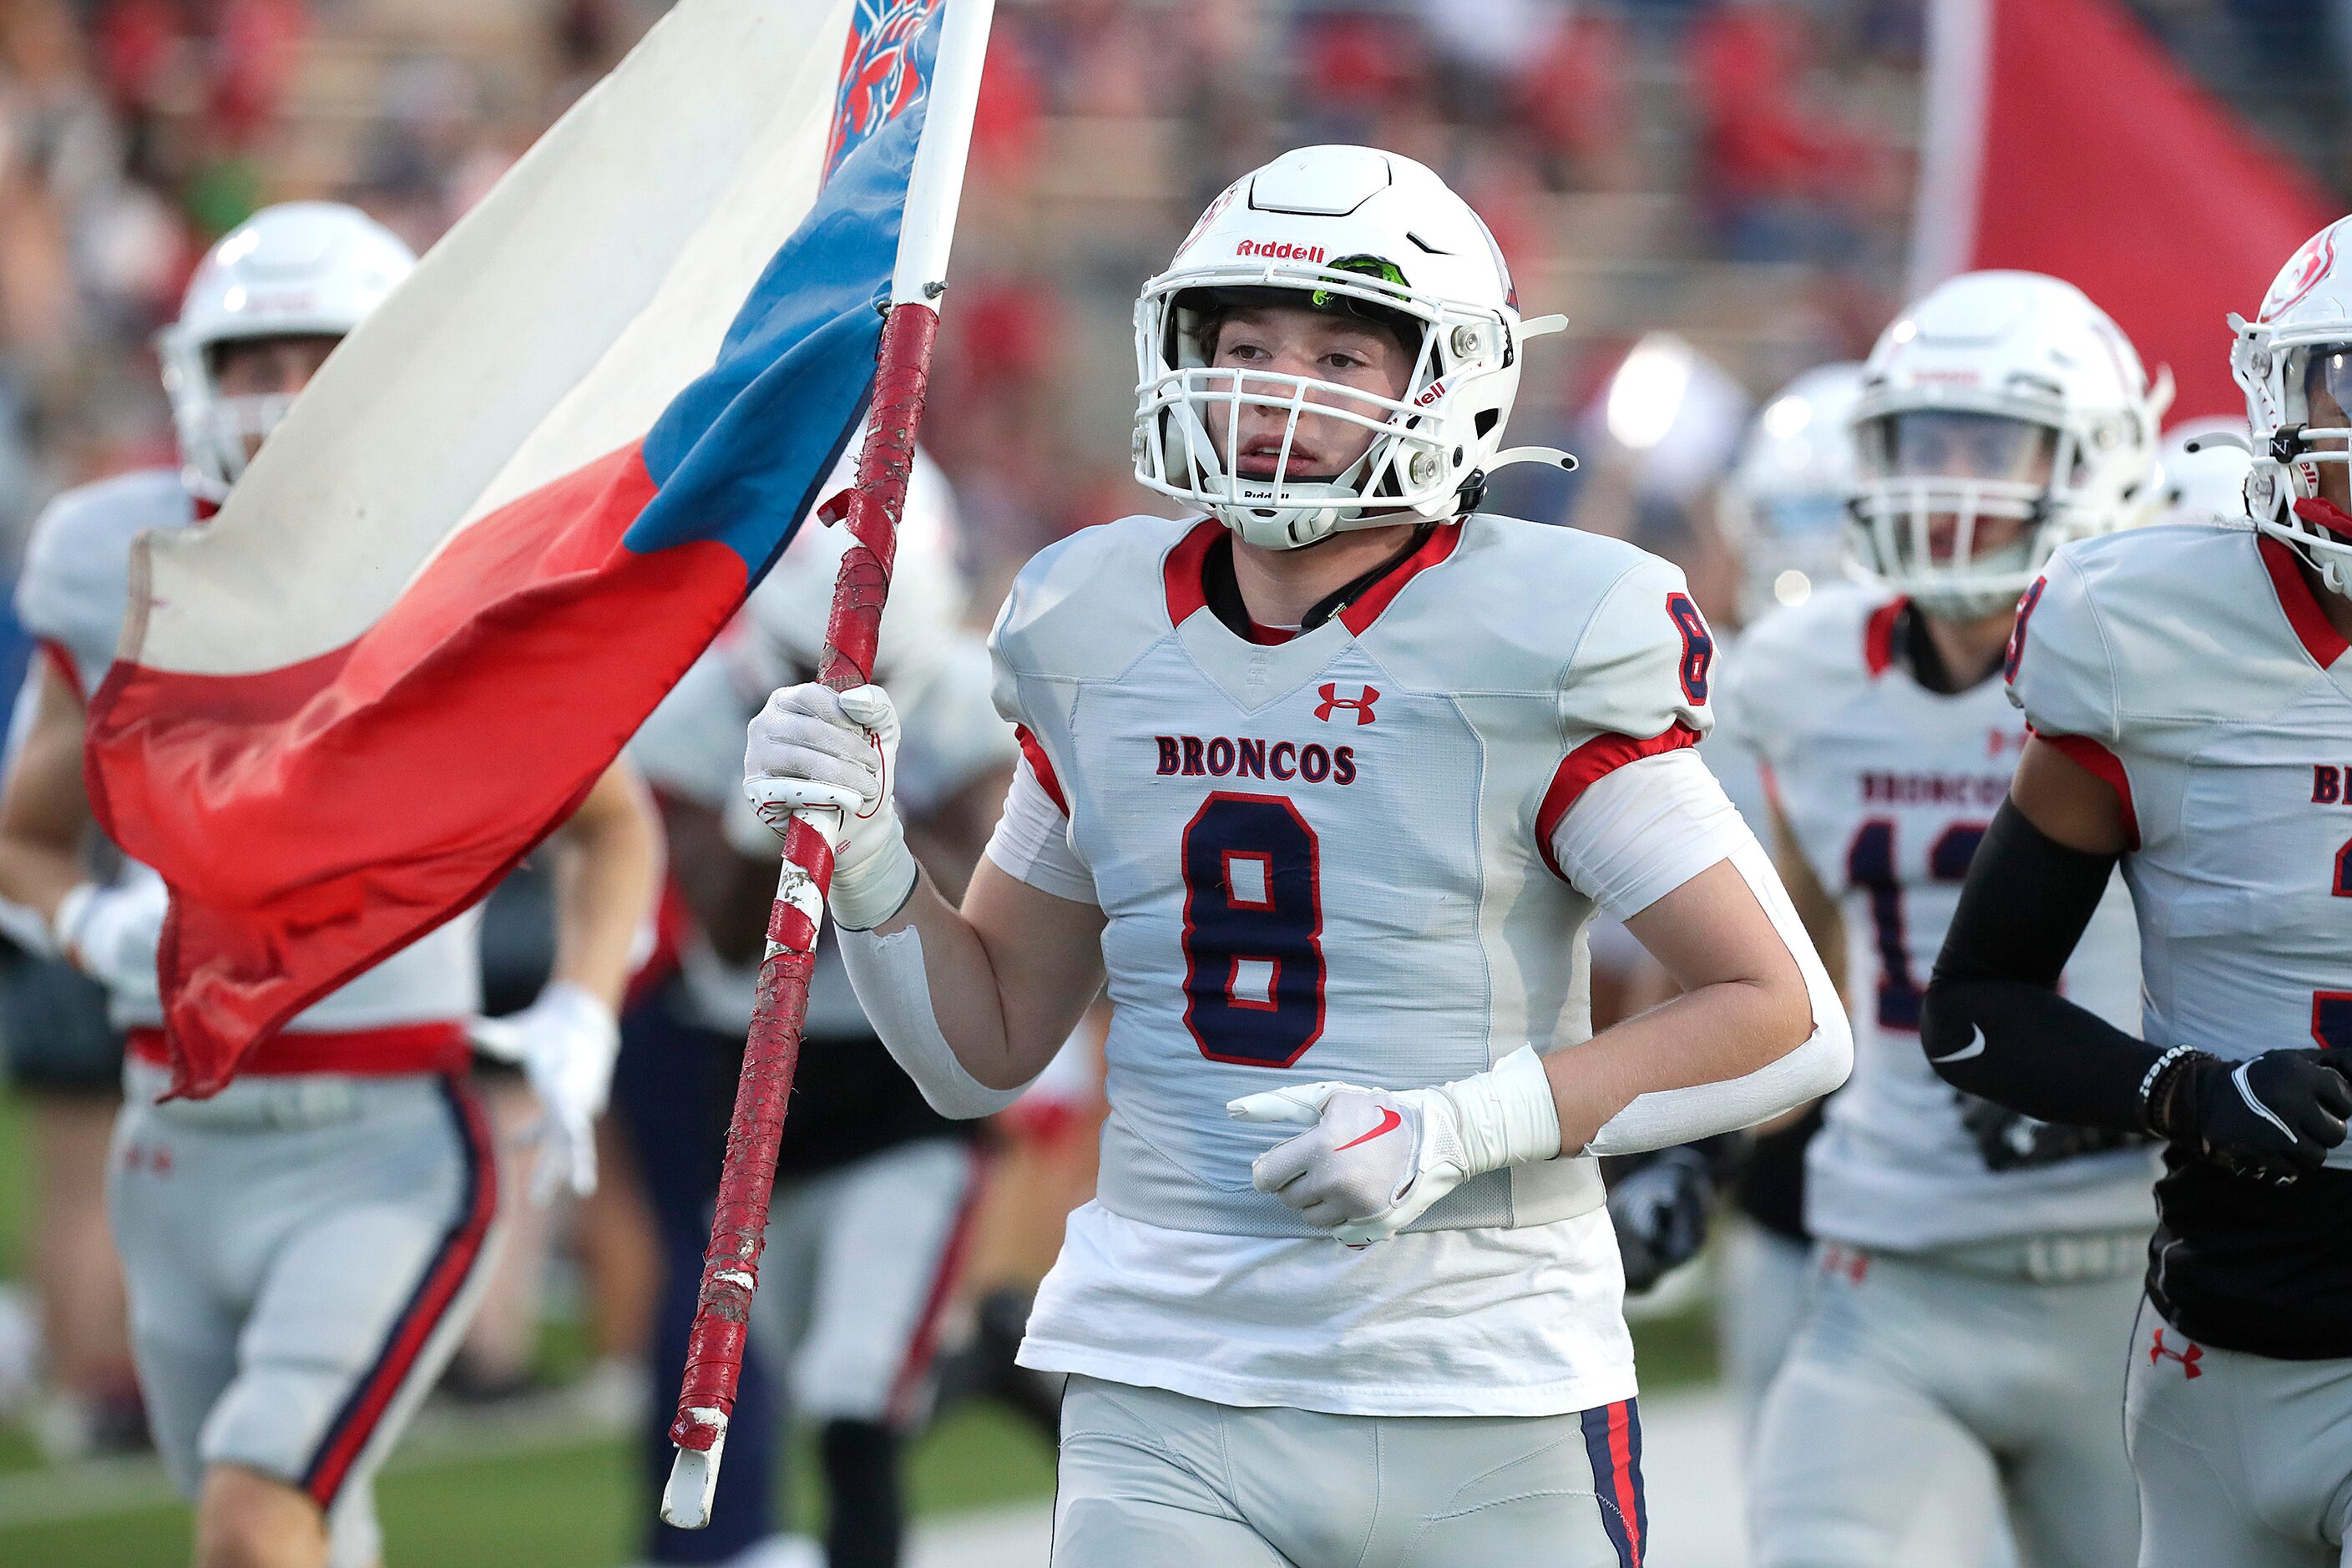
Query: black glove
[[1660, 1211], [2013, 1141], [2274, 1118]]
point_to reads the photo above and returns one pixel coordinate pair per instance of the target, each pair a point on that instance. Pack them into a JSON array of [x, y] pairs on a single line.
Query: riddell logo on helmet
[[1280, 250]]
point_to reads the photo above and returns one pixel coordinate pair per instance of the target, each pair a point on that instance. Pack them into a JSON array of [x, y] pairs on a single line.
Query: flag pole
[[870, 509]]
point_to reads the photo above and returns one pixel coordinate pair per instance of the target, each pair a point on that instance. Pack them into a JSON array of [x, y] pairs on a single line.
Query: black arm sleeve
[[1994, 1025]]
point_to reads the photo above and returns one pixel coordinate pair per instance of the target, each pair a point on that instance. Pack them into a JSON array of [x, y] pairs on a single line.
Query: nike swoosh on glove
[[565, 1042], [1373, 1160], [2273, 1118]]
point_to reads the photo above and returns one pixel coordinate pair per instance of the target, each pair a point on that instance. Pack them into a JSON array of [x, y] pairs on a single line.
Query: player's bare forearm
[[44, 810], [607, 862], [1744, 1006], [1010, 971]]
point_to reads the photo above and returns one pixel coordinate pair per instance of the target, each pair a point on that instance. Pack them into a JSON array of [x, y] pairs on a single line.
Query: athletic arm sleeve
[[894, 987], [1633, 837], [1032, 841], [1994, 1025]]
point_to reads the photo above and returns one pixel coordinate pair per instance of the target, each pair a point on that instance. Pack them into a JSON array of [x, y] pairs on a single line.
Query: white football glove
[[1373, 1160], [112, 933], [565, 1042], [813, 748]]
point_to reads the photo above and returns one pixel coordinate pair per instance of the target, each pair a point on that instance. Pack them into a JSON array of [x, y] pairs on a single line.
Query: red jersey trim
[[426, 1312], [2094, 758], [393, 1051], [1181, 573], [1359, 617], [1182, 580], [1878, 636], [1036, 754], [2317, 634], [1587, 765]]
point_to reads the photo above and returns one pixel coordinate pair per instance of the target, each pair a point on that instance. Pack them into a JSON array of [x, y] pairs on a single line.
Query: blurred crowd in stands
[[1758, 152]]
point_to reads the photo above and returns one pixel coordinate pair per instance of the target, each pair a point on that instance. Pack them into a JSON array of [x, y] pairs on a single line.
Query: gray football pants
[[2241, 1459], [301, 1254], [1907, 1363], [1154, 1479]]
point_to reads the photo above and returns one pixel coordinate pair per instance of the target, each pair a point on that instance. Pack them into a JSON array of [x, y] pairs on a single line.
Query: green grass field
[[541, 1500]]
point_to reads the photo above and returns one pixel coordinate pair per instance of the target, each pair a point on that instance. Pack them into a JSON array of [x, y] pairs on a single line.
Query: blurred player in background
[[302, 1249], [1974, 1266], [2187, 689], [874, 1189], [2206, 465], [1783, 511], [1328, 782]]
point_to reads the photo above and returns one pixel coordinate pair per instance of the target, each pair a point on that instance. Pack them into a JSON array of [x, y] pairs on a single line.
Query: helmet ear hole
[[1488, 418]]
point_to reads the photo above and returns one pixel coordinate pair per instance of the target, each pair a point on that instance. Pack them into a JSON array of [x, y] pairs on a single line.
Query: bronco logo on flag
[[878, 73]]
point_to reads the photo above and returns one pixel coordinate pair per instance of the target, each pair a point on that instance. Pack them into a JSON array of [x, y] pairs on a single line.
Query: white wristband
[[894, 988], [869, 892], [1506, 1114]]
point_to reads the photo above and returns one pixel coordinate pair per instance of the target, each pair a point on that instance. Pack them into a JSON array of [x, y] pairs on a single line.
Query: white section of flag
[[551, 326]]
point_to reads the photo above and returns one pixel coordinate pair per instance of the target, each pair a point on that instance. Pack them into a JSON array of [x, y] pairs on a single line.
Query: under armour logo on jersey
[[1332, 702], [2157, 1350]]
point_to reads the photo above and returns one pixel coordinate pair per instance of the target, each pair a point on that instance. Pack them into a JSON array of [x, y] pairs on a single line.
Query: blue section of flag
[[738, 455]]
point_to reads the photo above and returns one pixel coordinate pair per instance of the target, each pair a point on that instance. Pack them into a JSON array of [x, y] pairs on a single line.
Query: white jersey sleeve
[[1032, 841], [2060, 670], [1645, 829], [1643, 668], [73, 593]]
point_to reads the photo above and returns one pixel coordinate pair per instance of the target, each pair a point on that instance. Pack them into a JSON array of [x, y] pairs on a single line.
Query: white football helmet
[[1783, 507], [1351, 230], [2001, 395], [2205, 467], [297, 268], [2301, 343]]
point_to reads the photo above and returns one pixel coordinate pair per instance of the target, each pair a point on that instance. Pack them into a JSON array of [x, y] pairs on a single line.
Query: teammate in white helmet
[[1974, 1268], [1324, 779], [2186, 686], [302, 1249]]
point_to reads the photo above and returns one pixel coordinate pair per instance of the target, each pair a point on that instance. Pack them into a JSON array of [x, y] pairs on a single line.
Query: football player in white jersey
[[1974, 1269], [1325, 783], [2192, 705], [302, 1249]]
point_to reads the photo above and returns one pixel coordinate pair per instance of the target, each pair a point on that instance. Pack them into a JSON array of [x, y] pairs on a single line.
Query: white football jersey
[[71, 598], [1887, 787], [1333, 857], [2191, 667]]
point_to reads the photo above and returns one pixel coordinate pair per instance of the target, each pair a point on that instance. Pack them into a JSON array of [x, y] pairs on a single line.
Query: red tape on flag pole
[[730, 1270]]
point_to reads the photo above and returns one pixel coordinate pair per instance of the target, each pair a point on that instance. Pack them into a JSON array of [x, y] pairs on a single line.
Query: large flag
[[511, 509], [2060, 138]]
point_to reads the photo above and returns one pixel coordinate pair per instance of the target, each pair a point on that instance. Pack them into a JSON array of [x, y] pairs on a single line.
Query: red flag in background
[[2060, 138]]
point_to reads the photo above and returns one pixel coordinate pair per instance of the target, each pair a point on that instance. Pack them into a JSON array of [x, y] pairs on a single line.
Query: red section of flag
[[444, 682], [2103, 163]]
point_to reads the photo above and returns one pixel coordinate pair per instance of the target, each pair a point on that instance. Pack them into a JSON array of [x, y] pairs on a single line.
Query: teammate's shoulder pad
[[2099, 638], [74, 583], [1783, 668]]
